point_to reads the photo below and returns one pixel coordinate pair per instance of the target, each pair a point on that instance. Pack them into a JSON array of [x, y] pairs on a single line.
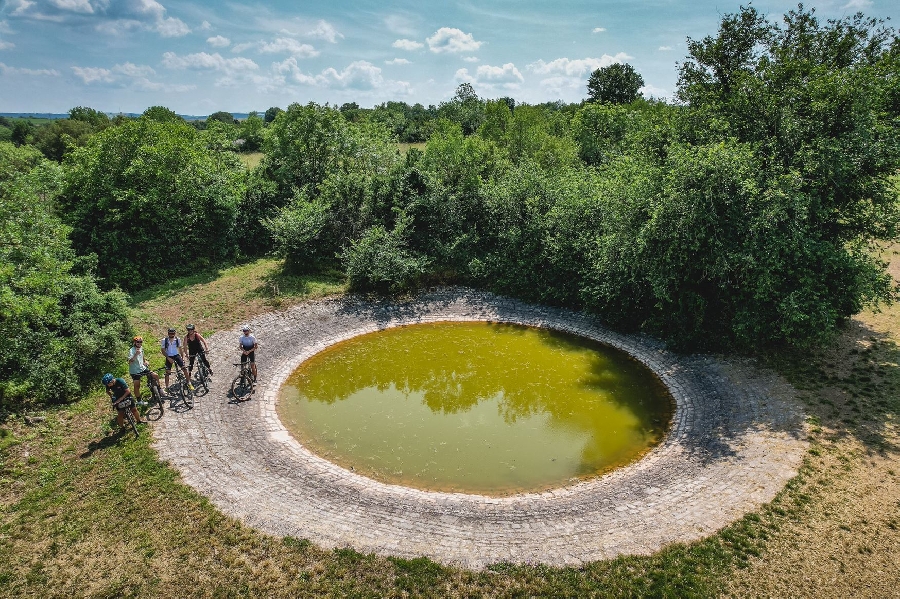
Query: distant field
[[404, 148], [251, 159]]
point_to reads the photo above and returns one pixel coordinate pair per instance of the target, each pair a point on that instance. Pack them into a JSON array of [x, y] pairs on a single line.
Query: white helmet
[[245, 328]]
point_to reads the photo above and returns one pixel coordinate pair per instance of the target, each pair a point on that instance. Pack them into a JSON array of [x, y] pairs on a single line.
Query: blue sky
[[199, 57]]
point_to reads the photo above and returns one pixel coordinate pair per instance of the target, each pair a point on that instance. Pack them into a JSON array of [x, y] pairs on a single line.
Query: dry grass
[[87, 512], [251, 159]]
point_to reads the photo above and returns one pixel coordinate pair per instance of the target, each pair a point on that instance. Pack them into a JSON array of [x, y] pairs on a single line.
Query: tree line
[[744, 215]]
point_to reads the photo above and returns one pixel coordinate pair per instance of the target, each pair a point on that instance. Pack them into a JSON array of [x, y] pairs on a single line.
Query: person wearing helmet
[[248, 347], [173, 350], [120, 395], [138, 366], [196, 347]]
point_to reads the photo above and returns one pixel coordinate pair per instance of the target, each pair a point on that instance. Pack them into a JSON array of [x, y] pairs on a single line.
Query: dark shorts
[[177, 359], [251, 356], [140, 375]]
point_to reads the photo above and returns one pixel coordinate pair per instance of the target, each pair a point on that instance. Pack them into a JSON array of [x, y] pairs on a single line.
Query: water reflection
[[525, 391]]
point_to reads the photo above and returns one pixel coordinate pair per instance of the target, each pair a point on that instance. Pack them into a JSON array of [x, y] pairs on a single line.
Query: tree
[[616, 84], [272, 113], [95, 118], [251, 131], [62, 136], [222, 117], [51, 309], [161, 114], [152, 201]]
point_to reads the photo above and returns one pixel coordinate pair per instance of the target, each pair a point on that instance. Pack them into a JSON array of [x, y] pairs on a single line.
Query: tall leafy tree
[[61, 332], [152, 201], [616, 84]]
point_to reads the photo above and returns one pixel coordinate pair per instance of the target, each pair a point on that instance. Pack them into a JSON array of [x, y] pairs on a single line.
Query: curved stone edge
[[737, 437]]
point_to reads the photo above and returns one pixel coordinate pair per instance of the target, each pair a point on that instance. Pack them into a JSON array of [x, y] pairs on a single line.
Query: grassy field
[[251, 159], [86, 511]]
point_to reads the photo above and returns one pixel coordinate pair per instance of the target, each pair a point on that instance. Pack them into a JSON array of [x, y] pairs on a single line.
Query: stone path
[[737, 438]]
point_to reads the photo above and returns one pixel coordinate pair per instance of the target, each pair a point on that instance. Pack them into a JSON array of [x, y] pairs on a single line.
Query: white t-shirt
[[137, 365], [247, 342], [174, 344]]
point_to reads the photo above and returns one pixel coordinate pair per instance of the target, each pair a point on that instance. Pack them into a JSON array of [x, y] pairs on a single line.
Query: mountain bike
[[202, 375], [125, 405], [242, 385], [184, 387], [156, 395]]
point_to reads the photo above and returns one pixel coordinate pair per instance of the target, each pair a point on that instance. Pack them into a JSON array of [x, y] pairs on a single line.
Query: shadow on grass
[[853, 390], [281, 283], [177, 284], [112, 440]]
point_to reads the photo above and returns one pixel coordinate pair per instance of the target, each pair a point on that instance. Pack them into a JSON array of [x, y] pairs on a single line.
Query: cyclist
[[120, 394], [138, 366], [197, 347], [248, 348], [173, 350]]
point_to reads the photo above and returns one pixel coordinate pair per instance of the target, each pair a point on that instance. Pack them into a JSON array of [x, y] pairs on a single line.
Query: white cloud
[[8, 70], [218, 41], [508, 73], [397, 61], [172, 27], [94, 74], [325, 31], [656, 92], [289, 46], [5, 28], [507, 76], [359, 75], [132, 70], [82, 6], [858, 4], [205, 26], [407, 45], [109, 16], [598, 30], [471, 59], [238, 48], [665, 48], [400, 25], [575, 67], [209, 62], [452, 40]]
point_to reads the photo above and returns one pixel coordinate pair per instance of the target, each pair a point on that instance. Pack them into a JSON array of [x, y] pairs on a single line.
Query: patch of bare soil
[[844, 540]]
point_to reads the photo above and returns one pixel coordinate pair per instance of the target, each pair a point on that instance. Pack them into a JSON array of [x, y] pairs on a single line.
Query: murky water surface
[[475, 407]]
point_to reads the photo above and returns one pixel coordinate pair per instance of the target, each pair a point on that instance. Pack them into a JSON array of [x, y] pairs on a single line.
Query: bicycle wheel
[[156, 395], [130, 417], [202, 376], [239, 387]]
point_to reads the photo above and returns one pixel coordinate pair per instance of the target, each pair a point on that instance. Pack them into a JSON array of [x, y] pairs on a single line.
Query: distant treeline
[[748, 214]]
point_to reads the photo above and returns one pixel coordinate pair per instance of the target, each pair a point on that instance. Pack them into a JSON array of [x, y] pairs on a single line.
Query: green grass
[[251, 159], [86, 511]]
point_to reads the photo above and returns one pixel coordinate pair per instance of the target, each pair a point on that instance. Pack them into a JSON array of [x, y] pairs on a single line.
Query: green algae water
[[475, 407]]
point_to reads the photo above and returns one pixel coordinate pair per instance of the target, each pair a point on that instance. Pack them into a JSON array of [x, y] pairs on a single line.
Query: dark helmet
[[172, 331], [107, 378], [190, 327]]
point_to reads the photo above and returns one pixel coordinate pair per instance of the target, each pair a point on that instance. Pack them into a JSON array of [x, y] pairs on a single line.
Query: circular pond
[[475, 407]]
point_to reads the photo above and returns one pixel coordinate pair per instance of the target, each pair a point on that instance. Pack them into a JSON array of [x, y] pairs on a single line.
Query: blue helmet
[[107, 378]]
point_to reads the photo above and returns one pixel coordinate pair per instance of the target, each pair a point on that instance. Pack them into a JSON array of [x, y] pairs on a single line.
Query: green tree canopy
[[61, 331], [152, 201], [616, 84]]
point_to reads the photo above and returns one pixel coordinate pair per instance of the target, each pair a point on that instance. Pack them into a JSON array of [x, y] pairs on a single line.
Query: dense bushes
[[152, 201], [60, 331]]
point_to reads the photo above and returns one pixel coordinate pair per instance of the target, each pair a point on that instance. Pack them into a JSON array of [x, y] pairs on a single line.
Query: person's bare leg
[[137, 389]]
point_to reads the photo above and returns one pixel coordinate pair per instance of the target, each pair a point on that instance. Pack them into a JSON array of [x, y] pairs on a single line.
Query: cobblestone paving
[[737, 438]]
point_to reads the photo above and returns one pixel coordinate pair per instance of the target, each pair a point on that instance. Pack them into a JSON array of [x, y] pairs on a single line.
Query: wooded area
[[746, 214]]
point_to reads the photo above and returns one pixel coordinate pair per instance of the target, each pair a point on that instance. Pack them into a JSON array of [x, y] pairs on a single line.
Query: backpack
[[166, 343]]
